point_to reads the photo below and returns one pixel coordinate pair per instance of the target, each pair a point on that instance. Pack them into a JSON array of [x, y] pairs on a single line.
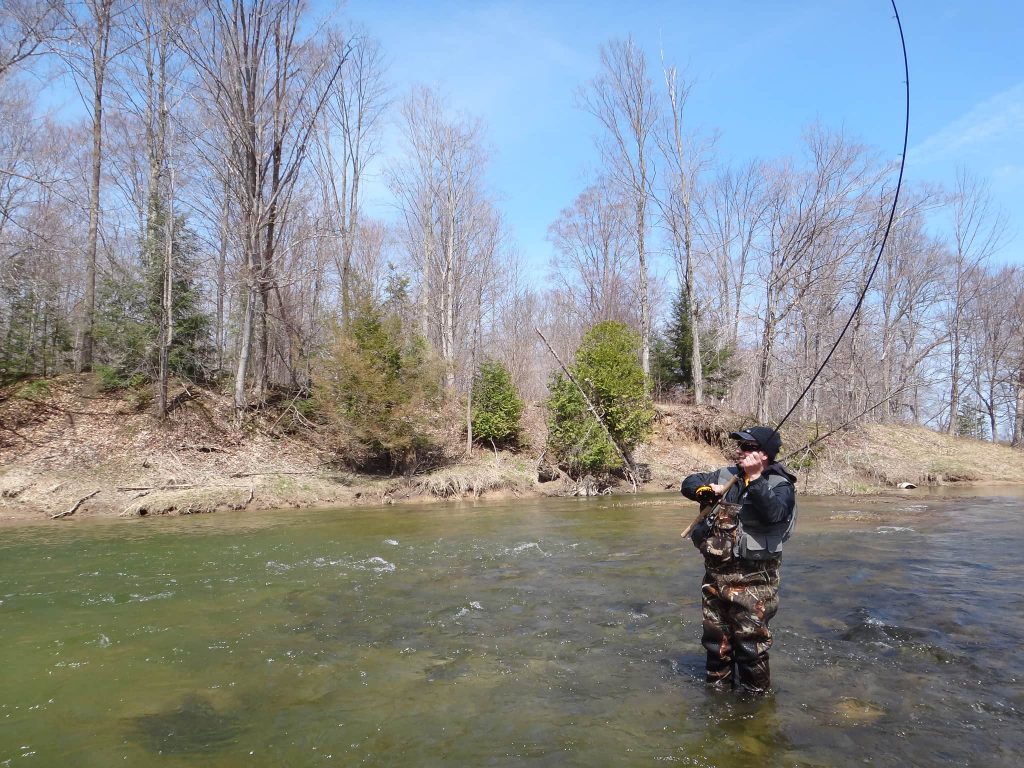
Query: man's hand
[[753, 463], [709, 494]]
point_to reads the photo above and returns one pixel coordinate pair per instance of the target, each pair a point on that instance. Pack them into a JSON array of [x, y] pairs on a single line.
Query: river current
[[547, 633]]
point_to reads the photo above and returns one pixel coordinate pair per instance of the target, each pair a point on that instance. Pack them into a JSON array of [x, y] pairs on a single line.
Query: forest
[[202, 223]]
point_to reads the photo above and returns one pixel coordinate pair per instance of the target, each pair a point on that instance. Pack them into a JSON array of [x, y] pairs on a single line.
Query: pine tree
[[497, 407], [608, 369], [128, 313], [672, 353]]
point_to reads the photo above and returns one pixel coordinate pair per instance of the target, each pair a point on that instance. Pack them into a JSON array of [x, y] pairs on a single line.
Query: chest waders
[[739, 596]]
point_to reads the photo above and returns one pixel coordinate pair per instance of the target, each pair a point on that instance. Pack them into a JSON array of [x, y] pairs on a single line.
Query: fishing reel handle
[[705, 511]]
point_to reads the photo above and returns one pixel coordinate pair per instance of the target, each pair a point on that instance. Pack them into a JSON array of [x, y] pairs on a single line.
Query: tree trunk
[[764, 371], [167, 318], [1018, 420], [245, 345], [85, 353], [645, 299], [222, 259], [954, 381]]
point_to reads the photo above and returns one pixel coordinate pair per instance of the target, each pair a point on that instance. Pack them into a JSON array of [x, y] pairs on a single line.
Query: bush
[[36, 391], [380, 392], [110, 379], [608, 369], [497, 407]]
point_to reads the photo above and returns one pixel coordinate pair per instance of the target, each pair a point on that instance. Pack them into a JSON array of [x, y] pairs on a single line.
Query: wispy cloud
[[997, 122]]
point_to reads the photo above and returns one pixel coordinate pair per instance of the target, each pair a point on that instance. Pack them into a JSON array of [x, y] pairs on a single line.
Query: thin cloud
[[995, 122]]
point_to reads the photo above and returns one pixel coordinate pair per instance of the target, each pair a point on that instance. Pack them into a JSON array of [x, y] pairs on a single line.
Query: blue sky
[[762, 72]]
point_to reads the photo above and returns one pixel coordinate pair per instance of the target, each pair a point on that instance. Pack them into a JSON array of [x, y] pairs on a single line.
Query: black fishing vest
[[756, 540]]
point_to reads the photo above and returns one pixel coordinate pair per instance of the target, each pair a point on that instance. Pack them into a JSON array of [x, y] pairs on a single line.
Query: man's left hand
[[753, 464]]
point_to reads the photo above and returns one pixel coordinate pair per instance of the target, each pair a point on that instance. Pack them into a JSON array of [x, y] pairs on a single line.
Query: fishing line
[[885, 237]]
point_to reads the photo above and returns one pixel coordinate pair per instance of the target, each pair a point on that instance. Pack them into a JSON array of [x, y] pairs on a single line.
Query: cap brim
[[742, 436]]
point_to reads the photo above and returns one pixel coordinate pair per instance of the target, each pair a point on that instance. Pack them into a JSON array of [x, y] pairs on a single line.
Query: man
[[753, 511]]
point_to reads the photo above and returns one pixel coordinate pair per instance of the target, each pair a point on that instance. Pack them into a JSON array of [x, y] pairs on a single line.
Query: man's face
[[746, 448]]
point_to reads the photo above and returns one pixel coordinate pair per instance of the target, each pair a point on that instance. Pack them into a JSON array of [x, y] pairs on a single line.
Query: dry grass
[[503, 474]]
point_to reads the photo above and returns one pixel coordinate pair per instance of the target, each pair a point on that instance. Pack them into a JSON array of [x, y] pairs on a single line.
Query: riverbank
[[69, 450]]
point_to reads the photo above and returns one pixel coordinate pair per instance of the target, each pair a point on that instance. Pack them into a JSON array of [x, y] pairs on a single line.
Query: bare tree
[[26, 29], [450, 229], [346, 144], [593, 257], [978, 232], [907, 291], [622, 99], [995, 342], [678, 204], [812, 221], [264, 85], [733, 219], [88, 51], [1017, 377]]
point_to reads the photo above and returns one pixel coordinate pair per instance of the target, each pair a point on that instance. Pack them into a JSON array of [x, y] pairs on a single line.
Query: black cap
[[766, 437]]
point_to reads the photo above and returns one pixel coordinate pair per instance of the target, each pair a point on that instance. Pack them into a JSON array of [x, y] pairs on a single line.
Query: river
[[541, 633]]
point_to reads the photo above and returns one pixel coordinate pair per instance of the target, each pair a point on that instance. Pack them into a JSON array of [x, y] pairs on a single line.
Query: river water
[[549, 633]]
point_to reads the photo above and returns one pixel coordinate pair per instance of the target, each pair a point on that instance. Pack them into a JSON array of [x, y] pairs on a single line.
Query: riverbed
[[540, 632]]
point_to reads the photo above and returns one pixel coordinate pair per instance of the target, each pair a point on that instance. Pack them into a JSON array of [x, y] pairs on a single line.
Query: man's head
[[759, 438]]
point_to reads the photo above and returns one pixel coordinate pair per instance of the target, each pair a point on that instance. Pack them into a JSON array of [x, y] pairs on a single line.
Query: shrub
[[380, 392], [35, 391], [608, 369], [497, 407], [110, 379]]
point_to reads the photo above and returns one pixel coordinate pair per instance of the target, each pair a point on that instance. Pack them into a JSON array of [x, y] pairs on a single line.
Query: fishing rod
[[885, 237], [705, 511]]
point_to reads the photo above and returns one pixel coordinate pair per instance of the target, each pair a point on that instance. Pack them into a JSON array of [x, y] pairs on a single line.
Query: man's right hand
[[708, 494]]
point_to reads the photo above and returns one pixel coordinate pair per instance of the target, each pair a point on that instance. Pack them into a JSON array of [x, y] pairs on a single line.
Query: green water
[[535, 633]]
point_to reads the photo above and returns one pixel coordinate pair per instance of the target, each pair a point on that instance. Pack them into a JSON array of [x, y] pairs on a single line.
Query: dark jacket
[[763, 505]]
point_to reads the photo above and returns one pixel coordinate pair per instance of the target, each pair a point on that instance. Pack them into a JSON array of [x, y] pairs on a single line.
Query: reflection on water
[[549, 633]]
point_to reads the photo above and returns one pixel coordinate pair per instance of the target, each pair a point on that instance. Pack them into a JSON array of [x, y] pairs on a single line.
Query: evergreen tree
[[672, 355], [971, 422], [129, 309], [608, 369], [35, 338], [380, 391], [497, 407]]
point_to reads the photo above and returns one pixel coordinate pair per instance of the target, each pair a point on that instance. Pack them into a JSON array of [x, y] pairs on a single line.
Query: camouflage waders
[[738, 599]]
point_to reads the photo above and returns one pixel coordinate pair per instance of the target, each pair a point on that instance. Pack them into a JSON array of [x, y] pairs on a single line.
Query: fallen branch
[[156, 487], [178, 400], [297, 472], [75, 507], [260, 474]]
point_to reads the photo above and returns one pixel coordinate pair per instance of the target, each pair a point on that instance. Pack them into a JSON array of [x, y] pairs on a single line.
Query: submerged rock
[[858, 711], [194, 727]]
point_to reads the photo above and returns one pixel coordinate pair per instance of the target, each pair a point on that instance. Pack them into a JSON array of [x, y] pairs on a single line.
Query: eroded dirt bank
[[67, 449]]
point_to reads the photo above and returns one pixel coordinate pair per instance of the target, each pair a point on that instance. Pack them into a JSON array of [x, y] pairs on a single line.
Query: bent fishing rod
[[705, 511]]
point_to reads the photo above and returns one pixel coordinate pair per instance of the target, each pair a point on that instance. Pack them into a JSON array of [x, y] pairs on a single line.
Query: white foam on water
[[377, 564], [146, 598], [527, 545], [392, 542], [894, 529], [476, 606]]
